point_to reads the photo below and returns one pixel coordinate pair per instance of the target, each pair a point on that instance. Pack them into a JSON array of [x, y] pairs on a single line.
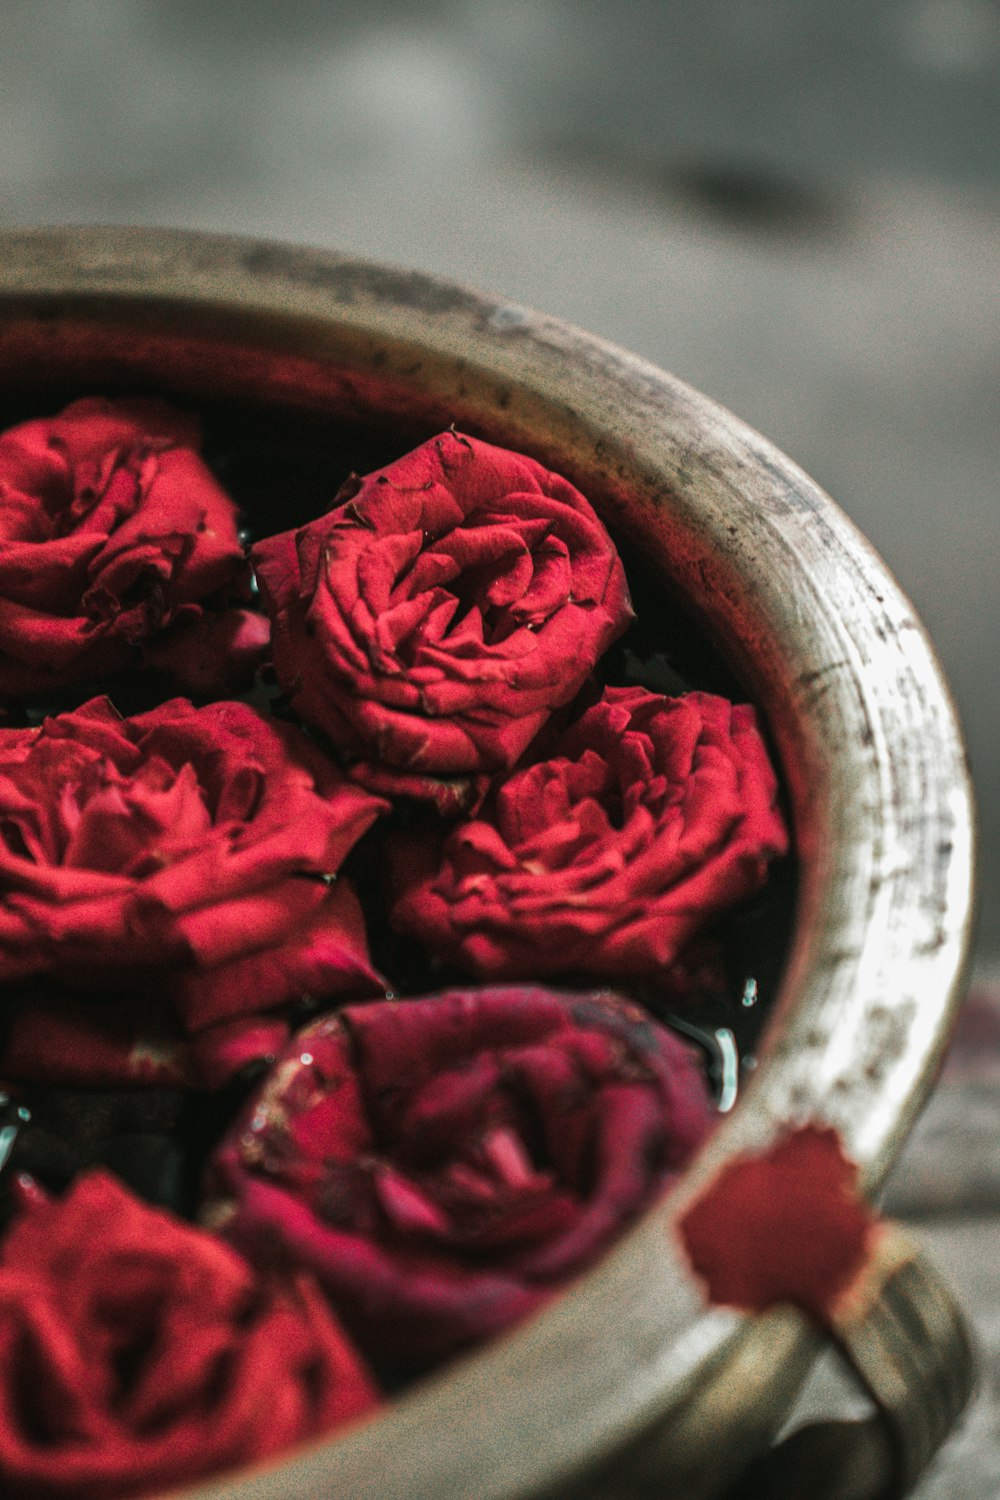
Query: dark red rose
[[444, 1164], [111, 530], [650, 817], [436, 616], [143, 1353], [183, 853]]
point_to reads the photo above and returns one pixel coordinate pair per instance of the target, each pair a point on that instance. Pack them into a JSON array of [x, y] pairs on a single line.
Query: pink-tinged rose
[[650, 817], [435, 617], [111, 530], [144, 1353], [444, 1164], [186, 853]]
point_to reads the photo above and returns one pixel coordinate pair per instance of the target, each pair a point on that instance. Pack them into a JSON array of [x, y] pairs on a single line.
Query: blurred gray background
[[792, 204]]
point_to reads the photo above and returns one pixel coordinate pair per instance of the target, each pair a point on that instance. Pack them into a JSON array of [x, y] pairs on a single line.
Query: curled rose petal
[[443, 1164], [111, 529], [432, 620], [156, 1355], [185, 854], [649, 817]]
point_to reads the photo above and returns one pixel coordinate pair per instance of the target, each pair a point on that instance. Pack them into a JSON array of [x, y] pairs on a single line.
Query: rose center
[[506, 576], [133, 825], [104, 495]]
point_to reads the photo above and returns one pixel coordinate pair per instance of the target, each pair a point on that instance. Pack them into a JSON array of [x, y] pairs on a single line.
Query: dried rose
[[649, 817], [113, 536], [443, 1164], [143, 1353], [189, 853], [435, 617]]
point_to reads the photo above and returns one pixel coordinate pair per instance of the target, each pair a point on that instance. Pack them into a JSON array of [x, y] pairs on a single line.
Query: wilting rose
[[443, 1164], [184, 853], [649, 817], [113, 535], [143, 1353], [435, 617]]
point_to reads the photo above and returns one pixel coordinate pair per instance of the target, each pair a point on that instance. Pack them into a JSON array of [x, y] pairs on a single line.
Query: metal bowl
[[628, 1368]]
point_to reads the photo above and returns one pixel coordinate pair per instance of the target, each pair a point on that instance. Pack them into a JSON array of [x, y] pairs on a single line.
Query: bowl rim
[[810, 617]]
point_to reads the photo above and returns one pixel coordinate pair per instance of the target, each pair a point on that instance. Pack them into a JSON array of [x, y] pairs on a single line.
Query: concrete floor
[[793, 206]]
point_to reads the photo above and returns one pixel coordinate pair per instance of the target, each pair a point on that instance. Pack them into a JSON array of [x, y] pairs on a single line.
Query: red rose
[[436, 616], [651, 816], [443, 1164], [111, 530], [186, 853], [143, 1353]]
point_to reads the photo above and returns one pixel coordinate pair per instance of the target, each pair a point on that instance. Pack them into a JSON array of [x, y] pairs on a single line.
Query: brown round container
[[627, 1384]]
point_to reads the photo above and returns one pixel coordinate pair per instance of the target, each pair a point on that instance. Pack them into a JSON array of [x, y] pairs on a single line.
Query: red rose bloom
[[443, 1164], [143, 1353], [111, 530], [186, 852], [436, 616], [651, 816]]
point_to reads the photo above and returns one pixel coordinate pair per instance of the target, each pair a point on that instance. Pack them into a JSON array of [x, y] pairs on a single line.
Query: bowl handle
[[906, 1342]]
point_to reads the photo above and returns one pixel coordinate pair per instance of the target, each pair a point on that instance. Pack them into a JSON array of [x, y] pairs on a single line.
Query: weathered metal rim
[[805, 610]]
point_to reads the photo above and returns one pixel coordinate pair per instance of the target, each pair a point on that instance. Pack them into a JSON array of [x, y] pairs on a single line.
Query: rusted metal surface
[[812, 623]]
